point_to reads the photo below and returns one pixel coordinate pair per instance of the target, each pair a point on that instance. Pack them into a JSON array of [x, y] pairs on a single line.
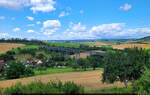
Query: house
[[39, 62], [2, 61]]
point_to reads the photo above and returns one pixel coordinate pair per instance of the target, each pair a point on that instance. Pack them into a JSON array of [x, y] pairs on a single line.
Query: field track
[[4, 47], [91, 80]]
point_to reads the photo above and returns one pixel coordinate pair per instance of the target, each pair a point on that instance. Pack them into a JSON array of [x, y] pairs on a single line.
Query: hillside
[[144, 40]]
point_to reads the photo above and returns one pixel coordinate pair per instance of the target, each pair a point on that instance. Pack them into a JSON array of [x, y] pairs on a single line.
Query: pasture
[[4, 47]]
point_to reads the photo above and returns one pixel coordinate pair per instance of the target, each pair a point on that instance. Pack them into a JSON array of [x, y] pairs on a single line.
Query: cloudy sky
[[74, 19]]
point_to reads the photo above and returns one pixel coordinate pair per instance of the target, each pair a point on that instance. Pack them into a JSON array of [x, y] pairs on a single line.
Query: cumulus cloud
[[35, 5], [30, 31], [30, 18], [62, 14], [38, 22], [4, 35], [2, 17], [126, 7], [16, 29], [50, 26], [103, 31]]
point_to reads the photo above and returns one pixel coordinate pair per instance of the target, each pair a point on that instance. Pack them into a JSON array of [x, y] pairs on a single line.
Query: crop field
[[4, 47], [96, 43], [91, 80], [130, 45]]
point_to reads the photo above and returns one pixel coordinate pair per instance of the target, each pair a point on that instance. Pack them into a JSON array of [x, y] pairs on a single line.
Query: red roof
[[1, 61]]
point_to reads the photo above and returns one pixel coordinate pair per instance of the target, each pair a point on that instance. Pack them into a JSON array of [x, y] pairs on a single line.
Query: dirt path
[[91, 80]]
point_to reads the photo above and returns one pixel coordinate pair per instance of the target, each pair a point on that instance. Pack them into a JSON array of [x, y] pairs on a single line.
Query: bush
[[75, 66], [142, 86], [38, 87], [17, 70]]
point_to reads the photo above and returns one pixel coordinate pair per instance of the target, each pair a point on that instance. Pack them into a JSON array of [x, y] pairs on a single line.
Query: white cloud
[[38, 22], [81, 11], [16, 29], [62, 14], [103, 31], [77, 27], [2, 17], [50, 26], [30, 18], [42, 5], [126, 7], [31, 25], [4, 35], [35, 5], [30, 31]]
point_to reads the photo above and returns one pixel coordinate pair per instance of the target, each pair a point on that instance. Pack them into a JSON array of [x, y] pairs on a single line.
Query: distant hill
[[144, 40]]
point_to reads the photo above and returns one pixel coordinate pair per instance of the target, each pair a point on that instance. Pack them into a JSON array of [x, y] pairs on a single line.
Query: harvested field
[[86, 54], [91, 80], [4, 47], [129, 45], [97, 44], [82, 55]]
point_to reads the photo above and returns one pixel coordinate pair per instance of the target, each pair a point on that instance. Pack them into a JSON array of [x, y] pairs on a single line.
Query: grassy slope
[[61, 70], [114, 90]]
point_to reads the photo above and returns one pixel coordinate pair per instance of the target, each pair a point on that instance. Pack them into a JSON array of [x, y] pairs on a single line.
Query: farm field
[[95, 43], [130, 45], [4, 47], [91, 80], [86, 54]]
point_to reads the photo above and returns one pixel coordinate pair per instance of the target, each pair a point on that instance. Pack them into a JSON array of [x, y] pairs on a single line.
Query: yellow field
[[130, 45], [91, 80], [4, 47]]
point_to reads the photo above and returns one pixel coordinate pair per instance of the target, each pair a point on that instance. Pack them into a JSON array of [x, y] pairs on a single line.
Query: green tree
[[142, 85], [120, 66], [15, 70], [40, 56]]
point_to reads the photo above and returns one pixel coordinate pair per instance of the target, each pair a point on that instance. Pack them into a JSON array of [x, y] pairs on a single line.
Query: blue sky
[[74, 19]]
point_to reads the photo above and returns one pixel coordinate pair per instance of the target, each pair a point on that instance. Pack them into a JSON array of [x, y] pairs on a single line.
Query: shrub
[[75, 66], [38, 87], [142, 86], [17, 70]]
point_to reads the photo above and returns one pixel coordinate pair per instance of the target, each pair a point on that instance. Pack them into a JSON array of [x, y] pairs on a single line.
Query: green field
[[61, 70], [67, 45]]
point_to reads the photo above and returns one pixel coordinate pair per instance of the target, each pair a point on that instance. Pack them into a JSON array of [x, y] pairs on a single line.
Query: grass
[[114, 90], [66, 45], [25, 47], [61, 70]]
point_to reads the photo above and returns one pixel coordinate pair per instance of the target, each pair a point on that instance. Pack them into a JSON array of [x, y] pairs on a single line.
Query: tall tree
[[125, 66]]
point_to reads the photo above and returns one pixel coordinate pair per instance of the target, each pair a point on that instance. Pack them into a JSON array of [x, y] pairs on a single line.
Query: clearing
[[91, 80], [4, 47]]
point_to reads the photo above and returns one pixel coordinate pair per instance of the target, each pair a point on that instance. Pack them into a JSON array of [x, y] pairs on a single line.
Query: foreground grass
[[114, 90], [61, 70]]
